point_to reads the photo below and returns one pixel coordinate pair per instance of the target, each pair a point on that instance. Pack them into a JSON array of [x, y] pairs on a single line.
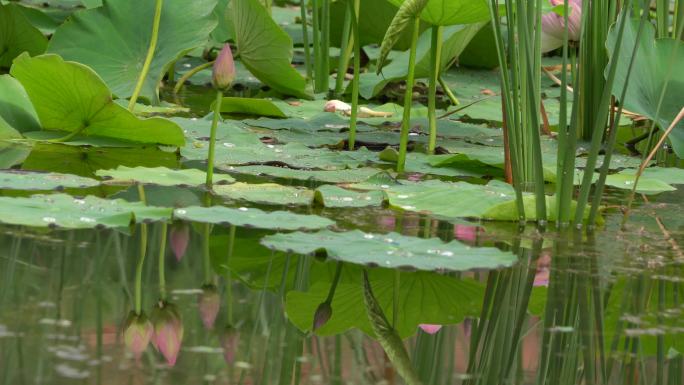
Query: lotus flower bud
[[323, 314], [553, 25], [223, 73], [430, 328], [209, 305], [466, 233], [179, 237], [168, 331], [137, 333], [230, 339]]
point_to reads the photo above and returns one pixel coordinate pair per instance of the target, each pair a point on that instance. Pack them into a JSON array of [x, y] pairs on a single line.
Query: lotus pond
[[341, 192]]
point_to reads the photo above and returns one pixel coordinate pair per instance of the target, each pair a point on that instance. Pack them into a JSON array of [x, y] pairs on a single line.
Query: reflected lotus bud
[[179, 237], [209, 305], [137, 333], [223, 73], [430, 328], [553, 25], [465, 233], [323, 314], [230, 339], [168, 331], [541, 277]]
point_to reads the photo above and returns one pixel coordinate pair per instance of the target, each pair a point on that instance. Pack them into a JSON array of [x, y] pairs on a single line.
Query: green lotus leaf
[[265, 49], [65, 211], [160, 176], [30, 180], [451, 12], [266, 193], [392, 250], [71, 97], [114, 39], [17, 35], [334, 196], [656, 73], [252, 217], [17, 114]]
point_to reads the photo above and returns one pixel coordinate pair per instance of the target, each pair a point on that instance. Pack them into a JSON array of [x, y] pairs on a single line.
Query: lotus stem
[[336, 280], [206, 254], [212, 139], [357, 68], [305, 37], [346, 47], [452, 98], [150, 55], [190, 74], [162, 261], [141, 257], [435, 62], [408, 98], [229, 288]]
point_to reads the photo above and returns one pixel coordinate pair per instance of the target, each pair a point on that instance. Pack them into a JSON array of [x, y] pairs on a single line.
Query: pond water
[[606, 307]]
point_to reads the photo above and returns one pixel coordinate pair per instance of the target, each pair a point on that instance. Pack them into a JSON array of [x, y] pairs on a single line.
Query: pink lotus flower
[[223, 72], [209, 305], [229, 341], [430, 328], [323, 314], [553, 25], [168, 331], [137, 333], [179, 237], [466, 233]]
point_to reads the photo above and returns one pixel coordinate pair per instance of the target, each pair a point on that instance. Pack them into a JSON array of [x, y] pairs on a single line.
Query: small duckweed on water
[[211, 219]]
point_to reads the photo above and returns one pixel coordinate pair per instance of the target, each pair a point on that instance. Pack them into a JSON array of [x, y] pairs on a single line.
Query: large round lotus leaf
[[449, 200], [71, 97], [657, 69], [114, 39], [65, 211], [16, 110], [352, 175], [160, 176], [265, 49], [251, 217], [334, 196], [266, 193], [17, 35], [28, 180], [450, 12], [392, 250], [455, 40], [425, 297], [250, 106]]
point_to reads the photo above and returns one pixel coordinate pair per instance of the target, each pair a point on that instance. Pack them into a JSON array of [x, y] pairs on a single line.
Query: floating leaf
[[656, 70], [17, 35], [71, 97], [353, 175], [265, 49], [251, 217], [250, 106], [113, 40], [392, 250], [65, 211], [334, 196], [266, 193], [28, 180], [160, 176]]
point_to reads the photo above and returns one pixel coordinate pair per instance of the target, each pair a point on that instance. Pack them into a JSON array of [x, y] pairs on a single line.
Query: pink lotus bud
[[553, 25], [137, 333], [209, 305], [430, 328], [223, 73], [168, 331], [179, 237], [466, 233], [230, 339], [323, 314]]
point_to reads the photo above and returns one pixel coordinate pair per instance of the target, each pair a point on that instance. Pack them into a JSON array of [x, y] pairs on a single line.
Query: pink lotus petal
[[553, 25], [209, 305], [223, 72], [466, 233], [179, 237], [430, 328]]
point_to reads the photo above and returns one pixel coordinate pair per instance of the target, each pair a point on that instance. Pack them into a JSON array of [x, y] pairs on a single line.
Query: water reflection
[[604, 309]]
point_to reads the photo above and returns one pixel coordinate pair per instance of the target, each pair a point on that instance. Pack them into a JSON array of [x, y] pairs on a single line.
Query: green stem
[[336, 280], [206, 254], [408, 98], [354, 10], [435, 62], [315, 21], [346, 46], [141, 257], [212, 138], [305, 37], [323, 83], [190, 74], [150, 54], [452, 98], [162, 260]]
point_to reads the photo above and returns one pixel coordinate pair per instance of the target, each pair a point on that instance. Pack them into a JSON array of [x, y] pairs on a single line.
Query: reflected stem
[[150, 55], [141, 258], [162, 260]]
